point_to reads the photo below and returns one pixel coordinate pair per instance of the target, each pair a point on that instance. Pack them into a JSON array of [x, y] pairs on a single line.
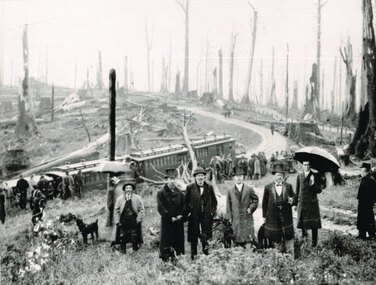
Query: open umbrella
[[319, 158]]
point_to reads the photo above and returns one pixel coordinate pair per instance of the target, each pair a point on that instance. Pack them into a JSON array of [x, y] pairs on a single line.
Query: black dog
[[263, 242], [228, 234], [87, 229]]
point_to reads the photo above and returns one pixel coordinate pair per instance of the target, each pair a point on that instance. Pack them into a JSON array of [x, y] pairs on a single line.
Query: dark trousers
[[363, 233], [314, 235], [203, 237], [2, 209], [23, 201], [129, 234]]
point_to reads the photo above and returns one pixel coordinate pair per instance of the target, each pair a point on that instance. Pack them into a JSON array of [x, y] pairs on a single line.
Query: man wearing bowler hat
[[242, 201], [201, 206], [366, 199], [277, 210], [171, 207]]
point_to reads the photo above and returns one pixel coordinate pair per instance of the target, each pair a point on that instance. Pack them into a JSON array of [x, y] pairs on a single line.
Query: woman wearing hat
[[366, 199], [277, 210], [129, 213]]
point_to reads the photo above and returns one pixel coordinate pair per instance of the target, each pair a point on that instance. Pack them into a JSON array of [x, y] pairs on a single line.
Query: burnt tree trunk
[[246, 98], [112, 115], [231, 79], [126, 74], [272, 97], [149, 46], [364, 138], [99, 72], [26, 125], [294, 104], [347, 57], [220, 75], [52, 102], [287, 83], [185, 9], [177, 85], [334, 87], [261, 96]]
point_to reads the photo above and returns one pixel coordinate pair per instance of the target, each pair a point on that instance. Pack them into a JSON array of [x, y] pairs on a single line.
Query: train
[[149, 164]]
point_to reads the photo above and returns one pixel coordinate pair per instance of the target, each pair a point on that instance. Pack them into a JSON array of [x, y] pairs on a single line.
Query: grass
[[338, 258]]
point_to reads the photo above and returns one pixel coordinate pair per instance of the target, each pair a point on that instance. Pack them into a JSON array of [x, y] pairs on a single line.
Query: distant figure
[[272, 128], [171, 207], [3, 195], [366, 199], [79, 184], [22, 186], [243, 165], [257, 169], [42, 185], [37, 204], [251, 166], [68, 185]]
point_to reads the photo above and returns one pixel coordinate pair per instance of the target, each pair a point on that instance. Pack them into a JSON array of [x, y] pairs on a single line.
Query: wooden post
[[231, 79], [52, 102], [112, 115], [287, 83], [342, 110]]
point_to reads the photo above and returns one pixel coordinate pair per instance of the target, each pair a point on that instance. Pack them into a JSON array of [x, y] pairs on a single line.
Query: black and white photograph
[[187, 142]]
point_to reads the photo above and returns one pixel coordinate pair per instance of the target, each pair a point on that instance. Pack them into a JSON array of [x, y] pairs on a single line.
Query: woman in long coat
[[171, 207], [240, 206]]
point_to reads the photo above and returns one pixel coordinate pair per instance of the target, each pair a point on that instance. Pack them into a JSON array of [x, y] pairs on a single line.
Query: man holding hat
[[129, 213], [171, 207], [277, 210], [201, 206], [242, 201], [366, 199]]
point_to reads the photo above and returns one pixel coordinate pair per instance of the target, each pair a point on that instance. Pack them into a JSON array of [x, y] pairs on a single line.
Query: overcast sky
[[72, 31]]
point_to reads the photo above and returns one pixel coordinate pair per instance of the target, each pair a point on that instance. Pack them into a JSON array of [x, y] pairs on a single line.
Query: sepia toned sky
[[72, 31]]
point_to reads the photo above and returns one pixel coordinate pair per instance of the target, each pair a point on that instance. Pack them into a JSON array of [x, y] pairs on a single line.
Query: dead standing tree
[[311, 107], [26, 125], [149, 46], [246, 99], [231, 79], [363, 143], [126, 74], [52, 102], [272, 99], [100, 84], [220, 75], [347, 57], [185, 9], [318, 57]]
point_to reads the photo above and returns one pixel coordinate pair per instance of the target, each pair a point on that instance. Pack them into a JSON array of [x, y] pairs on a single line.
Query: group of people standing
[[255, 167]]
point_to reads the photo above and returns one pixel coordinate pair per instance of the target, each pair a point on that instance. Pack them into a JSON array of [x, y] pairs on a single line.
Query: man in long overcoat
[[171, 207], [22, 186], [251, 166], [242, 201], [277, 210], [307, 187], [201, 204], [366, 199]]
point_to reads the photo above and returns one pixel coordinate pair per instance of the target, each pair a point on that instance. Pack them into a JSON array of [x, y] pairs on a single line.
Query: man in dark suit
[[201, 206], [366, 199], [307, 187], [277, 210]]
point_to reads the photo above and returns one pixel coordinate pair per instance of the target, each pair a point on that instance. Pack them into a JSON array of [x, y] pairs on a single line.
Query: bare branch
[[181, 5], [323, 4], [253, 8]]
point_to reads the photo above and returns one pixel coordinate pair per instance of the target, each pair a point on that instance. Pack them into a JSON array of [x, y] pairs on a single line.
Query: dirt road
[[269, 143]]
